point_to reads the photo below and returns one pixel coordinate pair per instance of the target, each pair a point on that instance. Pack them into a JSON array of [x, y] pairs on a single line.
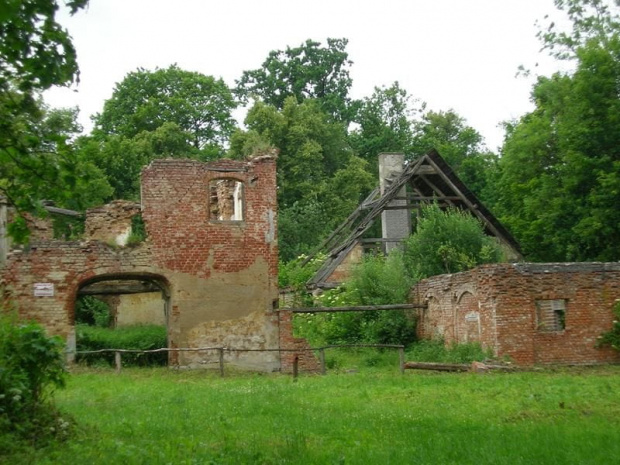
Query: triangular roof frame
[[430, 179]]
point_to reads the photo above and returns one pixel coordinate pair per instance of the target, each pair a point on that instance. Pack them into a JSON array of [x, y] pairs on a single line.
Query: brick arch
[[466, 288], [157, 279]]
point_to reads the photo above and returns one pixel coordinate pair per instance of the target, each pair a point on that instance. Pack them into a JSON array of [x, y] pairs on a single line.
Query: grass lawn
[[370, 416]]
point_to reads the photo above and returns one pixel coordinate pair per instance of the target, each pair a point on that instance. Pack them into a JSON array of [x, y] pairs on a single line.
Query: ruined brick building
[[210, 259], [545, 313], [208, 269]]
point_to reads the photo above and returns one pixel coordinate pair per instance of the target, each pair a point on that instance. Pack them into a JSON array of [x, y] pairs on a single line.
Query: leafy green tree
[[560, 167], [144, 100], [459, 144], [317, 171], [312, 148], [448, 241], [385, 123], [309, 71], [36, 53], [122, 158], [590, 19], [39, 163]]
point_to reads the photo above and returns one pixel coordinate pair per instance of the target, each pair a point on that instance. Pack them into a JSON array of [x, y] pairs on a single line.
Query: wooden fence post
[[295, 368], [117, 361], [322, 359], [221, 355], [401, 357]]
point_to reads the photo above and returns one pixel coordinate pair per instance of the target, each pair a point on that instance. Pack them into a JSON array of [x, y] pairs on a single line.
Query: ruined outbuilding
[[532, 313], [211, 257]]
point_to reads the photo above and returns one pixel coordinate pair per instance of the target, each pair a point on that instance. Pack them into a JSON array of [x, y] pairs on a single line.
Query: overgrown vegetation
[[445, 241], [138, 231], [448, 241], [91, 311], [140, 337], [437, 351], [377, 280], [293, 276], [31, 368], [612, 338]]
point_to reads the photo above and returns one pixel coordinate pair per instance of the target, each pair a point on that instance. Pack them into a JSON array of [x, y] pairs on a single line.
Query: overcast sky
[[452, 54]]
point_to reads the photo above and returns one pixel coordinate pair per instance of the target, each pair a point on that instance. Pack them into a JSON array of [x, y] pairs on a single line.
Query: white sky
[[459, 54]]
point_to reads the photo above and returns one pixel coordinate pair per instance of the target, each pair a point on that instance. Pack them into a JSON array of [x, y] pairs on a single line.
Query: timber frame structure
[[427, 179]]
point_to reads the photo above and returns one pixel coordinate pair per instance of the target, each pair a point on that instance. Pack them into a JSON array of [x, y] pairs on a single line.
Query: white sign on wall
[[43, 290]]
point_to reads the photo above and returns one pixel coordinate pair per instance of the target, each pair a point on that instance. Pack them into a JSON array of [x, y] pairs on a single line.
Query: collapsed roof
[[428, 179]]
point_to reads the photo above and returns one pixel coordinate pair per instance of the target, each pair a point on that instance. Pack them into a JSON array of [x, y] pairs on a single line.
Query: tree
[[35, 54], [38, 162], [459, 144], [305, 72], [317, 171], [560, 167], [385, 122], [199, 105], [591, 19], [122, 158]]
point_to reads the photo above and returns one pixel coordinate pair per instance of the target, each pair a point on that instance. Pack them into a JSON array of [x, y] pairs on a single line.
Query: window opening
[[551, 315], [225, 200]]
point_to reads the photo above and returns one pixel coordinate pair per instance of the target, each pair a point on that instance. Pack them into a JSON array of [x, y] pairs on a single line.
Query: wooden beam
[[63, 211], [118, 288], [359, 308]]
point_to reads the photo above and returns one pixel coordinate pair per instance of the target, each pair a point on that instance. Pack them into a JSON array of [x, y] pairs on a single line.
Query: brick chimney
[[395, 224]]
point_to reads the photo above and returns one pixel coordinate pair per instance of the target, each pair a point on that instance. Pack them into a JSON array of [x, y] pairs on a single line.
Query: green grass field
[[368, 416]]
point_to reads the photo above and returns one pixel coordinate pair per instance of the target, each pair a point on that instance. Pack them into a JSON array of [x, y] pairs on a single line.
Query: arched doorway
[[119, 307]]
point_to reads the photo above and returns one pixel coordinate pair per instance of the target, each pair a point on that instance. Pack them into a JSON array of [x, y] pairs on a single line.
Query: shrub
[[31, 366], [377, 280], [138, 337], [294, 275], [448, 242], [92, 311]]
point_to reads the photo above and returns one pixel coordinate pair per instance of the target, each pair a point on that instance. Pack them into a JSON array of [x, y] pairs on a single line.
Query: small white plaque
[[43, 290]]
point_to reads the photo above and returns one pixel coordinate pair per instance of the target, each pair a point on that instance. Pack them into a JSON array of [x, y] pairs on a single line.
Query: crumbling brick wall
[[220, 277], [296, 348], [497, 306], [112, 222]]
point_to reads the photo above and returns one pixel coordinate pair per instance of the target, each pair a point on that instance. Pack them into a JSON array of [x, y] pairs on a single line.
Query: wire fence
[[118, 354]]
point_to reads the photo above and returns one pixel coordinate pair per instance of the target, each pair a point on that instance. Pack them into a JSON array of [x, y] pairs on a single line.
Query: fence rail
[[321, 350]]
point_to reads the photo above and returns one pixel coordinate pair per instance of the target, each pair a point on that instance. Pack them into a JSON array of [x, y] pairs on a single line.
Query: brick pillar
[[307, 362]]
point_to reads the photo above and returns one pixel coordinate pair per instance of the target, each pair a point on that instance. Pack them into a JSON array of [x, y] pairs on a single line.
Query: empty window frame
[[551, 315], [225, 200]]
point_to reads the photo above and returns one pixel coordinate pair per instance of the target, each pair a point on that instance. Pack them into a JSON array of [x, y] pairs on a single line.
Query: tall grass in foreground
[[162, 416]]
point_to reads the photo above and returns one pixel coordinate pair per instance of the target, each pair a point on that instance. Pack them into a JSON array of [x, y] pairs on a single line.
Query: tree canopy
[[36, 53], [144, 100], [308, 71], [560, 166]]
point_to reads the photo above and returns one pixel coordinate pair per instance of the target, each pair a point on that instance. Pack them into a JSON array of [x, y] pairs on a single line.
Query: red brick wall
[[175, 198], [504, 298]]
